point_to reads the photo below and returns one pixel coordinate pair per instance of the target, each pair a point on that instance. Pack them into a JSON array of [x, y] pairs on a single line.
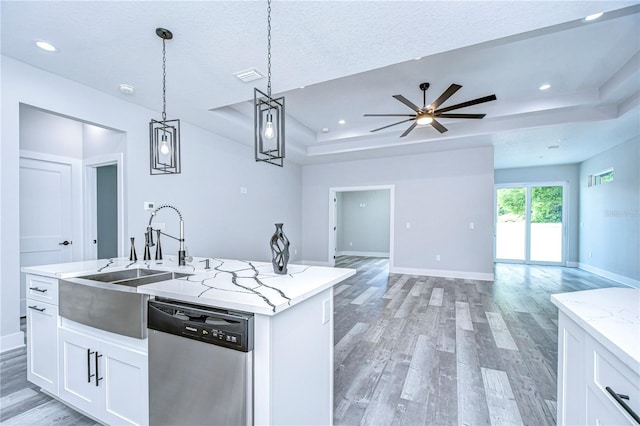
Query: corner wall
[[438, 194], [610, 215]]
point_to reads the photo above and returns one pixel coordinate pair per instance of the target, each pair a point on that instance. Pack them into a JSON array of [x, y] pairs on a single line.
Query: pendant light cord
[[269, 51], [164, 81]]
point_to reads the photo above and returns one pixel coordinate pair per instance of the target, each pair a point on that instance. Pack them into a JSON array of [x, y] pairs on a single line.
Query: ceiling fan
[[428, 113]]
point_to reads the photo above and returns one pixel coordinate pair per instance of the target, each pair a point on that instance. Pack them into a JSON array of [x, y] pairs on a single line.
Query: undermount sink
[[110, 301]]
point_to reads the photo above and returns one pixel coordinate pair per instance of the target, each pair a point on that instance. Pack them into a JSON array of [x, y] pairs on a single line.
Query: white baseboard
[[572, 264], [363, 253], [610, 275], [482, 276], [11, 341], [313, 263]]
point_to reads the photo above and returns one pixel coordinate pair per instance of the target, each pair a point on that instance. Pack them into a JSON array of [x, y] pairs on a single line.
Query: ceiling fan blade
[[439, 127], [468, 103], [389, 115], [445, 95], [445, 115], [403, 121], [406, 132], [407, 102]]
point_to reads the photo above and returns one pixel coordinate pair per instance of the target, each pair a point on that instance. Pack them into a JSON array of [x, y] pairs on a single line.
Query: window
[[600, 178]]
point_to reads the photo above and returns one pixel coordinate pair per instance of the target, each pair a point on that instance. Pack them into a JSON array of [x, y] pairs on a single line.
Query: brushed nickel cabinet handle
[[39, 290], [35, 308]]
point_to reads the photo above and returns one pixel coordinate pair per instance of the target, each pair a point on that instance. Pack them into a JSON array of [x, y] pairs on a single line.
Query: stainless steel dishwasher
[[200, 365]]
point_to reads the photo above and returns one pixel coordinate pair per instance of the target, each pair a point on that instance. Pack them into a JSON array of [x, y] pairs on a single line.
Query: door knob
[[64, 243]]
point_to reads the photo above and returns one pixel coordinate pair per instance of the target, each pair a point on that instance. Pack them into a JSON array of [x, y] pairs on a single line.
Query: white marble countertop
[[610, 315], [230, 284]]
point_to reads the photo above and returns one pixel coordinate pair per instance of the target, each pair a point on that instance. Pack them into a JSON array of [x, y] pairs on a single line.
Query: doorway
[[354, 212], [530, 223]]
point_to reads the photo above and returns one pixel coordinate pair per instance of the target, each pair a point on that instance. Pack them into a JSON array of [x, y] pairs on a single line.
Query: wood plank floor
[[413, 350], [410, 350]]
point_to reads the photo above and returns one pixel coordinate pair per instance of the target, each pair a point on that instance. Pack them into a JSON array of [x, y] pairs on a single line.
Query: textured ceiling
[[351, 56]]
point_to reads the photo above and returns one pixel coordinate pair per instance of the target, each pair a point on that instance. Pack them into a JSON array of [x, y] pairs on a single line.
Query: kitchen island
[[293, 335], [598, 356]]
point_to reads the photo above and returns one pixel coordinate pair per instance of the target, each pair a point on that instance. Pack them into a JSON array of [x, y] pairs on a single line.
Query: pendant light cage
[[268, 109], [164, 135], [164, 147], [268, 115]]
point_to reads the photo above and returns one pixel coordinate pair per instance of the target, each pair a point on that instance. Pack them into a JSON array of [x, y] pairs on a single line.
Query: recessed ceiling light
[[46, 46], [325, 130], [593, 17], [545, 86], [341, 121], [127, 89], [301, 87], [418, 58]]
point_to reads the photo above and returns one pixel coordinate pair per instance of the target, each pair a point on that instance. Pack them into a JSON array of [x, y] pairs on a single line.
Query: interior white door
[[45, 215]]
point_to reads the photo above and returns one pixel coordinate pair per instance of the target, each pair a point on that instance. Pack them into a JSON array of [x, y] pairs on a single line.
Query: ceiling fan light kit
[[428, 113]]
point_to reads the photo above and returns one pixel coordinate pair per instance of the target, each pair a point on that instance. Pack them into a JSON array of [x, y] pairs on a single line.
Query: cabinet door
[[125, 374], [42, 345], [77, 371], [571, 373]]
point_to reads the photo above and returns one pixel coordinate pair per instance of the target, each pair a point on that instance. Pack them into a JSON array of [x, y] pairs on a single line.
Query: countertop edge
[[611, 345]]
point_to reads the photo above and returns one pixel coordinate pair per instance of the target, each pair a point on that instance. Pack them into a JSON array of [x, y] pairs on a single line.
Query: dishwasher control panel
[[209, 334], [230, 329]]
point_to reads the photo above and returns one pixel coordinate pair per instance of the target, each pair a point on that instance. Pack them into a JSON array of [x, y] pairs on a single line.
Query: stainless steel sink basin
[[110, 301], [134, 277]]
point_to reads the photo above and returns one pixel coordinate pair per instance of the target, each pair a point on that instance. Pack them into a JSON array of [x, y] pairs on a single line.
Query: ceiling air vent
[[249, 75]]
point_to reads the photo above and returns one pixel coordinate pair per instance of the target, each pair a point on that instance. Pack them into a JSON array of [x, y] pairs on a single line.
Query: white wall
[[44, 132], [438, 193], [610, 215], [219, 221], [564, 173], [363, 222]]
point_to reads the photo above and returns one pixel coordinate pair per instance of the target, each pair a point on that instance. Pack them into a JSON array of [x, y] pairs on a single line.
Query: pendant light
[[164, 135], [269, 115]]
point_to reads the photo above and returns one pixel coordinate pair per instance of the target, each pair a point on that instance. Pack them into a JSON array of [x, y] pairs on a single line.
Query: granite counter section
[[230, 284], [610, 315]]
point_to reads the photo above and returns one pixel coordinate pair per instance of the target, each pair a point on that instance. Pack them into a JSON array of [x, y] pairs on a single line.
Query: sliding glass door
[[529, 223]]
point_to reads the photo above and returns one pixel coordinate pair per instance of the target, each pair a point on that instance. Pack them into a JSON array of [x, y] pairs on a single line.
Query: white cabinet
[[42, 345], [105, 380], [42, 332], [585, 369]]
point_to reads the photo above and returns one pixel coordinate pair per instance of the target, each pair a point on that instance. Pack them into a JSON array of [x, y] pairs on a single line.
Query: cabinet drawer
[[44, 289], [609, 371]]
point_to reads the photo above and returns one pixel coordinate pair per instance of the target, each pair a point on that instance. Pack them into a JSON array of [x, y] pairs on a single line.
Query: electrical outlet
[[326, 311], [472, 225], [589, 253], [243, 189], [408, 225], [350, 244], [438, 257], [149, 205]]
